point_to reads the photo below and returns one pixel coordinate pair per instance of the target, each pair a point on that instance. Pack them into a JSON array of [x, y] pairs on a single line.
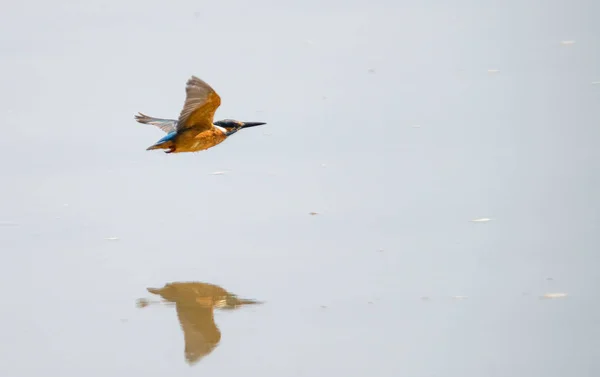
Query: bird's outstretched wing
[[167, 125], [200, 332], [201, 102]]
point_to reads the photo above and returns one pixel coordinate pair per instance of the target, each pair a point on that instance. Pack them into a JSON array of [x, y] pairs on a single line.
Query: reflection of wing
[[167, 125], [195, 303], [200, 332], [201, 102]]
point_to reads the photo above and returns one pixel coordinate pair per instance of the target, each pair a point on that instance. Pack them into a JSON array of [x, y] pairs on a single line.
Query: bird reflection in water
[[195, 303]]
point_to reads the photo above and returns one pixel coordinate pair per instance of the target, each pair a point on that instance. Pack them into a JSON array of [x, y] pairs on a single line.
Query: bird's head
[[232, 126]]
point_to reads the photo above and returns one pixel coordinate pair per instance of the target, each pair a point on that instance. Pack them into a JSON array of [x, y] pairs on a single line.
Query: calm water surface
[[396, 122]]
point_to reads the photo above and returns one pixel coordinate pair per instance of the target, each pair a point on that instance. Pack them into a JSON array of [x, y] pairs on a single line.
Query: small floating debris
[[567, 43], [219, 172], [493, 70], [554, 295], [112, 238], [549, 278], [372, 70], [323, 165], [142, 302], [481, 220], [313, 213], [459, 297]]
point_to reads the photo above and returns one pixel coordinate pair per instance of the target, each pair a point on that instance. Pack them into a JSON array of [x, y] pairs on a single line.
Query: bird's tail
[[167, 142], [162, 145], [155, 291]]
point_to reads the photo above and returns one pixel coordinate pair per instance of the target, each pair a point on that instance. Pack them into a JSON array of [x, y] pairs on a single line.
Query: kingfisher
[[195, 130], [195, 302]]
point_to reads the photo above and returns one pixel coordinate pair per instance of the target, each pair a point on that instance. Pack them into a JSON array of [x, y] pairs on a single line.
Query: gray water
[[89, 219]]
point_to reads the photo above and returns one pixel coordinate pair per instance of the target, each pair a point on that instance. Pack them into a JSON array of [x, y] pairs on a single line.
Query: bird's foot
[[171, 150]]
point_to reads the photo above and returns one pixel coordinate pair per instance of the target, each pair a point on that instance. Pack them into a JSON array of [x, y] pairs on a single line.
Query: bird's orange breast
[[191, 141]]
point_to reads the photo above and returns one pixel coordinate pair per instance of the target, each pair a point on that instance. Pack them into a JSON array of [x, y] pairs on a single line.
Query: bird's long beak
[[252, 124], [244, 301], [237, 302]]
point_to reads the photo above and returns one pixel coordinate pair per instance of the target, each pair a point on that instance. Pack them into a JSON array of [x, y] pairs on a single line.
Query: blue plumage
[[169, 137]]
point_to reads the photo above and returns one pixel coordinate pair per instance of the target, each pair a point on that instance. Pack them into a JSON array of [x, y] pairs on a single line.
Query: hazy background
[[342, 85]]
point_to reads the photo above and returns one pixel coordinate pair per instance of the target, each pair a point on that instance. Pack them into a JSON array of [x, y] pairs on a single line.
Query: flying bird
[[195, 130]]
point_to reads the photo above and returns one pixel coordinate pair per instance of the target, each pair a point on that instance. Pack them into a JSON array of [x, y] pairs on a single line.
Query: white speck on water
[[554, 295], [493, 70], [323, 165], [481, 220], [112, 238], [567, 43], [416, 126], [219, 172]]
